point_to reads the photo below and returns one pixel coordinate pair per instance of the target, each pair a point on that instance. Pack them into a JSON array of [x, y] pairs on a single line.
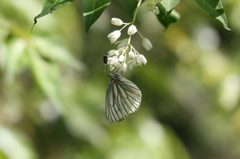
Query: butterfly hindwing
[[123, 97]]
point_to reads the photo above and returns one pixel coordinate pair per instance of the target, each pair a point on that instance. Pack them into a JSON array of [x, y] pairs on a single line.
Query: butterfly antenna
[[115, 71], [99, 72], [106, 72]]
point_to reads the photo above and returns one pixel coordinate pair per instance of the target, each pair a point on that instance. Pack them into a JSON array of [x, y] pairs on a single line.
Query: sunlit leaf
[[215, 9], [170, 5], [15, 144], [92, 9], [131, 6], [167, 20], [50, 6]]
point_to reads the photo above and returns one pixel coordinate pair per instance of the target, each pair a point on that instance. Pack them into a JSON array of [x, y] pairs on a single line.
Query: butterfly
[[123, 97]]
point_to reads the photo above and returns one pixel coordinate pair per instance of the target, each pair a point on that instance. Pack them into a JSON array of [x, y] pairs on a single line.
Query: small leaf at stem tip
[[50, 6]]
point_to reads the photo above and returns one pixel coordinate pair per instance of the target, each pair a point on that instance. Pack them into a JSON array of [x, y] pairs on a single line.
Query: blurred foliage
[[52, 103]]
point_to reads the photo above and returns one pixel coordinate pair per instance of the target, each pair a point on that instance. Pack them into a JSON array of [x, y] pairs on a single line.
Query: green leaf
[[16, 50], [92, 9], [215, 9], [10, 138], [50, 6], [56, 52], [170, 5], [131, 6], [166, 18], [47, 76]]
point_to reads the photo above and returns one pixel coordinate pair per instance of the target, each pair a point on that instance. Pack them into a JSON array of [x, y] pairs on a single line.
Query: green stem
[[124, 26], [140, 34], [129, 39], [135, 14], [134, 17]]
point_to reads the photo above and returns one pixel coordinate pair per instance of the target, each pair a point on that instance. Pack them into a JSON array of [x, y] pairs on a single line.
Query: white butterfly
[[123, 97]]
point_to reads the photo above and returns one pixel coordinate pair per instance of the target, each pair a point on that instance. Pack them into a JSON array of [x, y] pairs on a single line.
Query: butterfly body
[[123, 97]]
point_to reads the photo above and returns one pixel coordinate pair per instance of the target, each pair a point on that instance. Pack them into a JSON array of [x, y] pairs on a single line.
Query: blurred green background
[[52, 103]]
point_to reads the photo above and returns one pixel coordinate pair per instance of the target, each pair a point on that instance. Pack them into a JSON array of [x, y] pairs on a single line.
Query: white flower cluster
[[117, 59], [136, 59]]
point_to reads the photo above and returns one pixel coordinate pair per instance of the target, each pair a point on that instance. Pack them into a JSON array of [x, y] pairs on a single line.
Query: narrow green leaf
[[215, 9], [17, 139], [50, 6], [92, 9], [131, 6], [15, 52], [167, 20], [170, 5], [56, 52], [47, 76]]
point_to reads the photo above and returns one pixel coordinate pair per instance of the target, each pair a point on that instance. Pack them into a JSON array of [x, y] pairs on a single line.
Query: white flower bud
[[147, 44], [116, 21], [116, 52], [113, 36], [118, 65], [131, 55], [111, 52], [150, 5], [121, 58], [112, 60], [123, 43], [142, 59], [123, 68], [131, 65], [137, 61], [132, 30], [111, 67], [156, 10]]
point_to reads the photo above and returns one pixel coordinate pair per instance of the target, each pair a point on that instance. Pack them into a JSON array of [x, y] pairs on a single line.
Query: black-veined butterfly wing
[[123, 97]]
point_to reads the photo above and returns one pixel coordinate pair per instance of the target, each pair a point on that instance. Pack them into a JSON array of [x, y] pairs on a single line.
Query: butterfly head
[[114, 76]]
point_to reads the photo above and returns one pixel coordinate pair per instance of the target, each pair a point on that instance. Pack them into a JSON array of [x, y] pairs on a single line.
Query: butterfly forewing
[[123, 97]]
